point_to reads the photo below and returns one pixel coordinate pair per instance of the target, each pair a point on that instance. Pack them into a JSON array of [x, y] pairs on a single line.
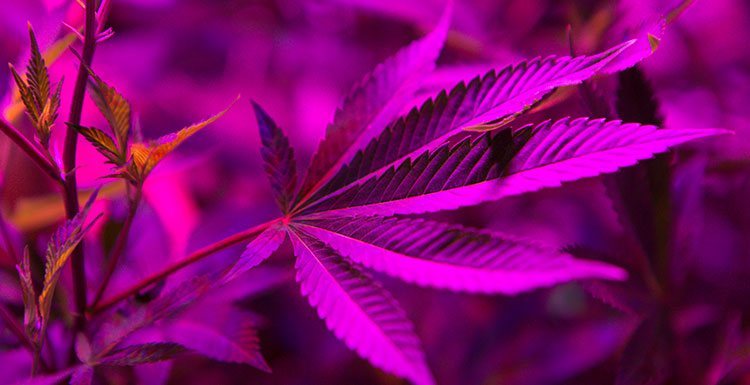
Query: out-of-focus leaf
[[489, 168], [641, 193], [231, 338], [645, 359], [49, 379], [169, 303], [82, 376], [145, 156], [278, 159], [486, 100], [143, 354], [647, 36], [359, 311], [453, 257], [375, 101]]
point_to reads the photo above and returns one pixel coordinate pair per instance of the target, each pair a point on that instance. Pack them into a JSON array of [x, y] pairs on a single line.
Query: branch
[[119, 247], [26, 146], [194, 257], [69, 158]]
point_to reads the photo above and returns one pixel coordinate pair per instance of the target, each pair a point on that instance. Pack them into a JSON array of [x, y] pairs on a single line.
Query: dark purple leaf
[[489, 168], [143, 354], [485, 100], [278, 158], [645, 360]]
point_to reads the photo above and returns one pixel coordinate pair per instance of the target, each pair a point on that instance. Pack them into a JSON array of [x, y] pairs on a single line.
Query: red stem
[[194, 257], [26, 146]]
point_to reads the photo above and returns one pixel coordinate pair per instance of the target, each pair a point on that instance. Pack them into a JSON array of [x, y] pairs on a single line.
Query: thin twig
[[27, 147], [15, 327], [194, 257], [119, 247]]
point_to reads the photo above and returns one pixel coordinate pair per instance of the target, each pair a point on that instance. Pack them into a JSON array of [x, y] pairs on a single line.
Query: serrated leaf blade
[[358, 310], [453, 257]]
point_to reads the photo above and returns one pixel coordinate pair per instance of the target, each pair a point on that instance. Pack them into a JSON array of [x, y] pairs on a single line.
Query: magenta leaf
[[256, 252], [646, 359], [491, 168], [453, 257], [484, 101], [375, 102], [647, 37], [278, 158], [143, 354], [229, 336], [82, 376], [115, 331], [358, 311]]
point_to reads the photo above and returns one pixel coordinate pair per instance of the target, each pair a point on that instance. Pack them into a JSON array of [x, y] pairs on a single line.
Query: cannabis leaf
[[142, 354], [59, 248], [375, 101], [358, 310], [339, 217], [135, 161], [451, 256], [145, 156], [36, 93]]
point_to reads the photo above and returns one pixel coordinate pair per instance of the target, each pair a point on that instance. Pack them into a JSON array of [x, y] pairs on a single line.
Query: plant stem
[[69, 161], [119, 247], [26, 146], [194, 257]]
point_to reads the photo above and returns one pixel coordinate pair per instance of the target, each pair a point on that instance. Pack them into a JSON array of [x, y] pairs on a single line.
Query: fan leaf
[[358, 310], [453, 257], [143, 354], [59, 248], [375, 102], [230, 339], [256, 252], [491, 168], [278, 158], [102, 142], [484, 101], [114, 108], [147, 155]]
